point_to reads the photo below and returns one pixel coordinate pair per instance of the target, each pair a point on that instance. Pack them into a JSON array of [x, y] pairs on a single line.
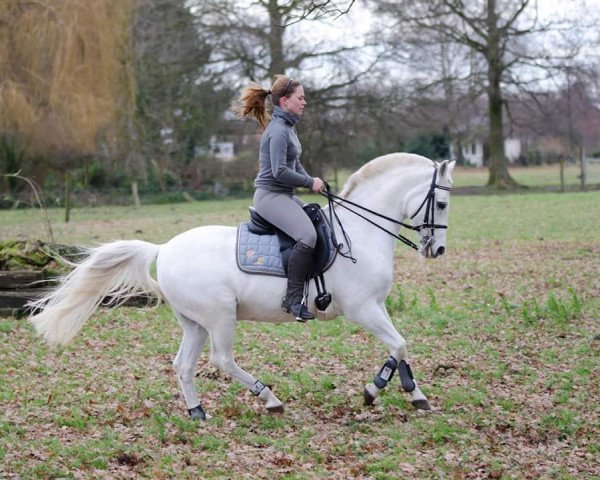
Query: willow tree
[[65, 77]]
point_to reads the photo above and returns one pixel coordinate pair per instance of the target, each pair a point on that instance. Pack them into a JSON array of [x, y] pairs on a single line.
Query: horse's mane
[[383, 164]]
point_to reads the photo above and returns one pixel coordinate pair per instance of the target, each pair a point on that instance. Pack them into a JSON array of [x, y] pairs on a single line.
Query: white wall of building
[[473, 151]]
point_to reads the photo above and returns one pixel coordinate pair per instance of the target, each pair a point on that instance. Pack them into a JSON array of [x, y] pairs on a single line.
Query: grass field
[[542, 176], [503, 332]]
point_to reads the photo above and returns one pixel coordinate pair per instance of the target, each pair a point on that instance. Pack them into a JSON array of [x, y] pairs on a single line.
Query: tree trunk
[[160, 176], [457, 147], [277, 64], [5, 186], [498, 169], [135, 194]]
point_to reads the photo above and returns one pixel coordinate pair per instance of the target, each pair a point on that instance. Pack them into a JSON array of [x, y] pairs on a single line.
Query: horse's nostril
[[440, 251]]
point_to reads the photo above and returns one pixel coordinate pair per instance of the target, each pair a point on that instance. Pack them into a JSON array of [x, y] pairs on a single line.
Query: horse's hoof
[[368, 397], [277, 409], [421, 404], [197, 413]]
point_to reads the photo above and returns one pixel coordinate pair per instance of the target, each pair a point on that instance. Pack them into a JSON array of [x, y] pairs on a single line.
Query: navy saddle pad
[[264, 249]]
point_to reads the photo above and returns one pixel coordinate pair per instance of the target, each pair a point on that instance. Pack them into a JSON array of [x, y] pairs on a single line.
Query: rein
[[428, 203]]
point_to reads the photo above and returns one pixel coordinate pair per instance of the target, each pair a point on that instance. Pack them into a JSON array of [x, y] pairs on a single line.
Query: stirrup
[[301, 313]]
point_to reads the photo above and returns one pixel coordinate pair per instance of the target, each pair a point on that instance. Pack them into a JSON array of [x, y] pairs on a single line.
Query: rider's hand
[[318, 185]]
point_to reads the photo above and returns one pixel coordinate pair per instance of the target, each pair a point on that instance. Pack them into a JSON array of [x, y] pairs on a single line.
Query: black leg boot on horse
[[298, 267]]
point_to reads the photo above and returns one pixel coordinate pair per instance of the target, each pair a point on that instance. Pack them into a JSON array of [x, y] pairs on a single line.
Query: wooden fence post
[[583, 164], [67, 196], [561, 162]]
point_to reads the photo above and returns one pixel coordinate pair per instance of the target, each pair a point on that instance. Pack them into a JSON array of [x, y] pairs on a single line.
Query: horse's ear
[[451, 166], [446, 168]]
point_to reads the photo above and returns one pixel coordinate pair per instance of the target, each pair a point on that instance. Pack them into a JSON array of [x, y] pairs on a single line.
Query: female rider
[[279, 173]]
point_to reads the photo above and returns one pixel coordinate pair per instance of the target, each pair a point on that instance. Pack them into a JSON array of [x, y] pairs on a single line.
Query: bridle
[[429, 204], [428, 221]]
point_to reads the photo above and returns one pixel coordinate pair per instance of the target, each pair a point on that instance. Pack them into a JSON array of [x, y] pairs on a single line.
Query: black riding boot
[[298, 266]]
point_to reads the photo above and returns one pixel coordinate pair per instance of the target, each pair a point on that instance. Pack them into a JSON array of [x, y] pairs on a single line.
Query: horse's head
[[429, 205]]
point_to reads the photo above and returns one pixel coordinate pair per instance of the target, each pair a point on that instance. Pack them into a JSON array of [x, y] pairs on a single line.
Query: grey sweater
[[279, 168]]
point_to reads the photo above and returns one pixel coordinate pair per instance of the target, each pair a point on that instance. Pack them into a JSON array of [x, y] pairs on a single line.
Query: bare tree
[[259, 39], [253, 40], [321, 9], [564, 117], [503, 34], [441, 94], [65, 78]]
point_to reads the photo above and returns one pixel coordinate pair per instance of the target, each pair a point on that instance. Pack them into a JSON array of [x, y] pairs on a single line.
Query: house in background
[[474, 151], [224, 151]]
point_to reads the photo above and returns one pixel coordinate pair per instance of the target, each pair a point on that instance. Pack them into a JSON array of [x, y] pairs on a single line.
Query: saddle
[[264, 249], [324, 252]]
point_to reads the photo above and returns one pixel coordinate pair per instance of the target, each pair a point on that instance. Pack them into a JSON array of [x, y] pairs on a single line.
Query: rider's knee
[[309, 238]]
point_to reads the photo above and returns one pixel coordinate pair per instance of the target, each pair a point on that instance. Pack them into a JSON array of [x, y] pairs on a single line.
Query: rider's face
[[296, 101]]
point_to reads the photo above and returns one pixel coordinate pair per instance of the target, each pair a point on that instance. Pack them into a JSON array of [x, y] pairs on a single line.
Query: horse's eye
[[441, 205]]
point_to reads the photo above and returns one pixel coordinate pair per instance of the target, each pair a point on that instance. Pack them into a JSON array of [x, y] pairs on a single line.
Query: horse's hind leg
[[194, 338], [375, 319], [221, 356]]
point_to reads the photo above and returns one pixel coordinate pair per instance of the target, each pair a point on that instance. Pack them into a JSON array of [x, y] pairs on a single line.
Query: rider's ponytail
[[252, 101]]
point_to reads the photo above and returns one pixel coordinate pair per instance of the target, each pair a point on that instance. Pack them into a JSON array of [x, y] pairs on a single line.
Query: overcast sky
[[349, 29]]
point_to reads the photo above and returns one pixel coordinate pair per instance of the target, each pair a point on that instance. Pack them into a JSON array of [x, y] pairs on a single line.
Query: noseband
[[428, 221]]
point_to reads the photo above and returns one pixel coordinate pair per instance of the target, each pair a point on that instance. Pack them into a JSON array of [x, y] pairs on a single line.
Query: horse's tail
[[117, 270]]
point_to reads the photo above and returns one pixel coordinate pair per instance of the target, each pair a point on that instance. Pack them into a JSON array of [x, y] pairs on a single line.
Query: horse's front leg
[[374, 318]]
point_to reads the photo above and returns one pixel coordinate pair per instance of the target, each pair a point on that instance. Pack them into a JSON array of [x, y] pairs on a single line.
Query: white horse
[[198, 277]]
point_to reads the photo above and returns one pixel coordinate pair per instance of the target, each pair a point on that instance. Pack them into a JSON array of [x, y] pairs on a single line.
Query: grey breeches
[[285, 212]]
